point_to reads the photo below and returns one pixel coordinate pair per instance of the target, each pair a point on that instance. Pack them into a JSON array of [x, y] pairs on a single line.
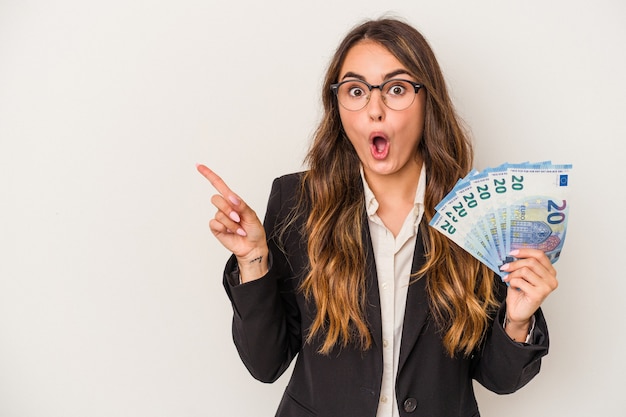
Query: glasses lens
[[398, 94], [353, 94]]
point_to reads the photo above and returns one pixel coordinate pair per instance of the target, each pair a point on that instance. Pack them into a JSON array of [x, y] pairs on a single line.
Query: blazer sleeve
[[503, 365], [266, 318]]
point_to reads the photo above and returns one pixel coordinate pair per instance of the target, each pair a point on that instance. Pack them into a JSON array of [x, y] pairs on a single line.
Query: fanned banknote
[[512, 206]]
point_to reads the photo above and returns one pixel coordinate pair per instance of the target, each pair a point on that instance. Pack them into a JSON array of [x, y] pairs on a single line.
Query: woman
[[386, 317]]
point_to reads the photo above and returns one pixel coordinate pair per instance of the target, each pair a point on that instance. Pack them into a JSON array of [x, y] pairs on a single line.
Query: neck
[[395, 195], [399, 187]]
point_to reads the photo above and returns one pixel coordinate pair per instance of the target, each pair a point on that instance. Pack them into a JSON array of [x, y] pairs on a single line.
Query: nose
[[376, 105]]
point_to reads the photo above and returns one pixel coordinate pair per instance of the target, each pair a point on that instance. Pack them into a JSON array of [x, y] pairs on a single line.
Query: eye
[[397, 88], [356, 91]]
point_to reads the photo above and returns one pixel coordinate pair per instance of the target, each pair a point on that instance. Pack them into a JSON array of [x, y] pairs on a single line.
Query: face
[[385, 140]]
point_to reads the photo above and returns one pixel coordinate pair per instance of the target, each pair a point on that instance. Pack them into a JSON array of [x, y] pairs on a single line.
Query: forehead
[[370, 60]]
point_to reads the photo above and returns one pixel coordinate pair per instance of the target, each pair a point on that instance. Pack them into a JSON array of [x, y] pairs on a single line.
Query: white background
[[110, 282]]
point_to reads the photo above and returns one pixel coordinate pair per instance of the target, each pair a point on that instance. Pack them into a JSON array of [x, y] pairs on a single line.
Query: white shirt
[[394, 258]]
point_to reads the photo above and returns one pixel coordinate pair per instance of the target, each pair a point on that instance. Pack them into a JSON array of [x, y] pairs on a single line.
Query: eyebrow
[[392, 74]]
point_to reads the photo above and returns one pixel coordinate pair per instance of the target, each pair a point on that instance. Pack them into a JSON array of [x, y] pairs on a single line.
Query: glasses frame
[[370, 87]]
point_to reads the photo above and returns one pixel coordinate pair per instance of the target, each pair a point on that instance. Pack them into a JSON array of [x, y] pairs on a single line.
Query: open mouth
[[379, 147]]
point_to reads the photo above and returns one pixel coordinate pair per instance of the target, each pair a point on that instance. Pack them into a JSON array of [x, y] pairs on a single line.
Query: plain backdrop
[[111, 302]]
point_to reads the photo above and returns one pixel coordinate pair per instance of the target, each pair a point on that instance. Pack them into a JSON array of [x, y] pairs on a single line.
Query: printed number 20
[[558, 216]]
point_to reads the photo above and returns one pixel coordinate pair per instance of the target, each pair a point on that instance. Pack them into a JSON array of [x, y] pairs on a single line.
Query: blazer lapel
[[417, 301]]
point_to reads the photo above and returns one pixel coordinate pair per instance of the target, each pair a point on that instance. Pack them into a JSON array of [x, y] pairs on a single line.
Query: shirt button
[[385, 343], [410, 404], [384, 285], [383, 399]]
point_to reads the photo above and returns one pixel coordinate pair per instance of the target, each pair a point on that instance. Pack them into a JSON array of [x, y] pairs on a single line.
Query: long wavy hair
[[460, 289]]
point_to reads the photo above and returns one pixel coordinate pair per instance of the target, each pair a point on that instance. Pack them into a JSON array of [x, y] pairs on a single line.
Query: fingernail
[[234, 200], [241, 232], [234, 216], [504, 267], [514, 252], [197, 165]]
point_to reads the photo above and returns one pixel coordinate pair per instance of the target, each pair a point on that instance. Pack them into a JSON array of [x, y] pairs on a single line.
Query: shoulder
[[285, 208], [286, 187], [285, 193], [292, 180]]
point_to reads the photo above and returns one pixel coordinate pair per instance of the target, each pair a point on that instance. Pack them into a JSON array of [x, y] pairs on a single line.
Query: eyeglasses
[[397, 94]]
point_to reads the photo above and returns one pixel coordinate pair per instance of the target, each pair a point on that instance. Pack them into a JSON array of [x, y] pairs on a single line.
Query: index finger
[[538, 254], [216, 181]]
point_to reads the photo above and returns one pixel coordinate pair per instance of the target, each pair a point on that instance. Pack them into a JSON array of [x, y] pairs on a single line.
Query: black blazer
[[271, 318]]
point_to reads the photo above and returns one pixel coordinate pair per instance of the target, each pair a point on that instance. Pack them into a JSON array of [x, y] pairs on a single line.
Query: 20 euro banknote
[[512, 206]]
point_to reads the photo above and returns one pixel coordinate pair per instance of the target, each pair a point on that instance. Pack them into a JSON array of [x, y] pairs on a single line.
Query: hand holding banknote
[[531, 278], [512, 218]]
